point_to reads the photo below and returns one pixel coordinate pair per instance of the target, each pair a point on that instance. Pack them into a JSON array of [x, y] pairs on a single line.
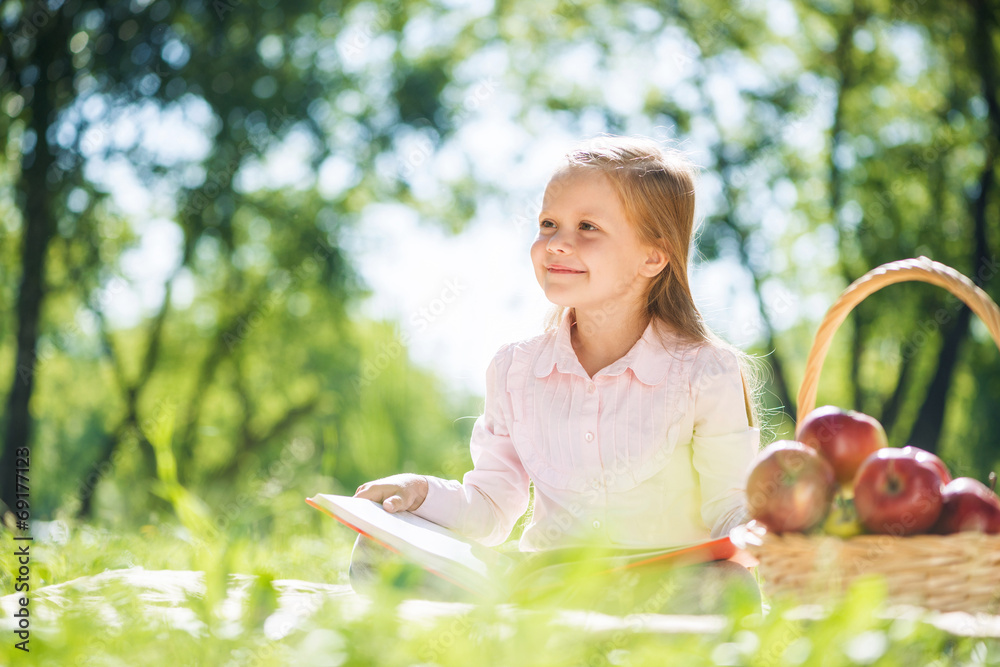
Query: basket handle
[[921, 269]]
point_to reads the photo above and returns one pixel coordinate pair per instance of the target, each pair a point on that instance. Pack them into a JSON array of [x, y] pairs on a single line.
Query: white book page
[[404, 531]]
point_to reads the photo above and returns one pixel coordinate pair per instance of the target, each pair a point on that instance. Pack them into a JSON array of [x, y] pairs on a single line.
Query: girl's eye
[[586, 226], [546, 223]]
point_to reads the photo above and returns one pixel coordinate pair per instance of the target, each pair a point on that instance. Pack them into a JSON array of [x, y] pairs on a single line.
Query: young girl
[[628, 415]]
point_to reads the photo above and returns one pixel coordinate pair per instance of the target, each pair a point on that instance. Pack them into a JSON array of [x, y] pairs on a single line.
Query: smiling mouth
[[563, 269]]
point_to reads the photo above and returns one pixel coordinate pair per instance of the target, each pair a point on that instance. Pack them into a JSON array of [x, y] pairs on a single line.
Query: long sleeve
[[494, 494], [724, 444]]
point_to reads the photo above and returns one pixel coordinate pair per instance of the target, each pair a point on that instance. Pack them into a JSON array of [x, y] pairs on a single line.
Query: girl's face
[[587, 255]]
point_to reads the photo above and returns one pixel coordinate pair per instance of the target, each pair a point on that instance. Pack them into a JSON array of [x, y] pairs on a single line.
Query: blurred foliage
[[142, 617], [837, 137], [202, 165]]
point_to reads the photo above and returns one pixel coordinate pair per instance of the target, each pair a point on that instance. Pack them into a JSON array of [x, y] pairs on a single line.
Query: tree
[[835, 138], [256, 77]]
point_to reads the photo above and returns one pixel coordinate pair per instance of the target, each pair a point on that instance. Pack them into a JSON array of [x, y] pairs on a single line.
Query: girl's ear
[[656, 261]]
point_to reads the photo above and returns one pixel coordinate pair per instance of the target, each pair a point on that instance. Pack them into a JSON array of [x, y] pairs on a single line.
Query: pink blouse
[[651, 452]]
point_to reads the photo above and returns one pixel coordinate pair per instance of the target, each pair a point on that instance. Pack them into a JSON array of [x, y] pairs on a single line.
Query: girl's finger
[[393, 503], [377, 490], [369, 492]]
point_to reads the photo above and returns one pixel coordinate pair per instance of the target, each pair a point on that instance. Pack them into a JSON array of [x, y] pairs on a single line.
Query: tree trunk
[[835, 179], [930, 420], [926, 430], [38, 228]]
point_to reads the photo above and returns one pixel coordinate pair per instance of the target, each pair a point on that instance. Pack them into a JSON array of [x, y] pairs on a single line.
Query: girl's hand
[[405, 491]]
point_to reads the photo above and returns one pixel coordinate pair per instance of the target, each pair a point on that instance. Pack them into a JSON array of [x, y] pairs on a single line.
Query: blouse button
[[591, 388], [597, 524], [589, 436]]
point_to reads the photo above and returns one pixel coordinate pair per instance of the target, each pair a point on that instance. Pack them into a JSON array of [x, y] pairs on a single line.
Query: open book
[[487, 572]]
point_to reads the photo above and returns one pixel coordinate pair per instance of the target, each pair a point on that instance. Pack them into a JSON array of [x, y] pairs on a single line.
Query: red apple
[[924, 455], [844, 438], [789, 487], [968, 504], [897, 494]]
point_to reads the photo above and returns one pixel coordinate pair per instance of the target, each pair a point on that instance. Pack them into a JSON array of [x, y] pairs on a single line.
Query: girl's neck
[[599, 340]]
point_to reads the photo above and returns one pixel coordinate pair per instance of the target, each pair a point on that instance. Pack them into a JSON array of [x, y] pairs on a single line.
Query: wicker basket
[[941, 572]]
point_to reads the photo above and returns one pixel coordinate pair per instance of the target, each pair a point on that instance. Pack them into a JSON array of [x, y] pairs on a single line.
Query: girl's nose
[[559, 243]]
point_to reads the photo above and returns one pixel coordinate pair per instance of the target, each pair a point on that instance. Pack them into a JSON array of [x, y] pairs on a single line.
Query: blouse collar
[[647, 359]]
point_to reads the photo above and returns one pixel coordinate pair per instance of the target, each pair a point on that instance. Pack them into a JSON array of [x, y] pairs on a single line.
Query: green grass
[[114, 627]]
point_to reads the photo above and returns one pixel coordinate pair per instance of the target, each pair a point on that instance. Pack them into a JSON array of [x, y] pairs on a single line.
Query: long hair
[[656, 188]]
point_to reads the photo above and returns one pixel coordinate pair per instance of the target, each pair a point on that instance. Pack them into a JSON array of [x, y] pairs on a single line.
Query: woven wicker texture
[[942, 572]]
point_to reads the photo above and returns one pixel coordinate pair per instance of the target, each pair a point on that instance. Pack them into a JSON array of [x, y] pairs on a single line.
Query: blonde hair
[[656, 188]]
